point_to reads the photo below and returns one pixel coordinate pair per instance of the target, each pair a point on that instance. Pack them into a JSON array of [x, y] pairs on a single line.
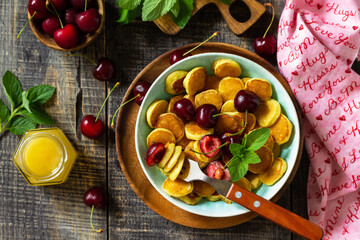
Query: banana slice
[[154, 110], [274, 173], [172, 101], [178, 187], [171, 122], [261, 87], [226, 68], [170, 148], [209, 96], [195, 80], [173, 160], [229, 87], [174, 82], [203, 189], [267, 158], [194, 132], [191, 199], [212, 82], [228, 106], [162, 135], [268, 112], [281, 130], [174, 173]]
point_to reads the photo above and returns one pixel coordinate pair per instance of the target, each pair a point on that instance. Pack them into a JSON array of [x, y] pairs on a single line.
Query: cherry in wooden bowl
[[85, 38]]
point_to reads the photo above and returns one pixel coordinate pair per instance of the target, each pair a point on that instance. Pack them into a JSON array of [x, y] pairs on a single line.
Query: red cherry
[[80, 4], [90, 128], [95, 197], [246, 101], [205, 116], [184, 109], [154, 153], [67, 37], [210, 144], [228, 138], [70, 15], [265, 47], [40, 7], [104, 69], [88, 21], [178, 55], [215, 169], [60, 5], [141, 88], [50, 25]]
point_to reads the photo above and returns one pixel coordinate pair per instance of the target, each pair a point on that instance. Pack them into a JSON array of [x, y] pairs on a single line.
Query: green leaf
[[40, 94], [256, 139], [12, 88], [237, 169], [4, 112], [25, 101], [226, 1], [175, 9], [186, 9], [128, 4], [127, 16], [153, 9], [251, 157], [19, 125], [237, 149], [37, 116]]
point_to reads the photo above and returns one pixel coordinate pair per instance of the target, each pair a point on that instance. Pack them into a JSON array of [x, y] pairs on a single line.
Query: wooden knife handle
[[275, 213]]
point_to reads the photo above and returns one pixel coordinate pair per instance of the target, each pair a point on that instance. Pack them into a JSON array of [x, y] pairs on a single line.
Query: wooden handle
[[167, 25], [275, 213]]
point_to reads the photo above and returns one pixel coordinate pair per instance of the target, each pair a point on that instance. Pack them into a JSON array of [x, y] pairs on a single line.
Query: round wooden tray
[[125, 144]]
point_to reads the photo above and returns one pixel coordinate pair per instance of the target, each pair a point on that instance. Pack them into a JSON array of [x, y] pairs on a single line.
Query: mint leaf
[[40, 94], [153, 9], [4, 112], [19, 125], [237, 149], [175, 9], [251, 157], [12, 88], [256, 139], [128, 4], [237, 168], [127, 16], [226, 1], [25, 101], [37, 116], [186, 9]]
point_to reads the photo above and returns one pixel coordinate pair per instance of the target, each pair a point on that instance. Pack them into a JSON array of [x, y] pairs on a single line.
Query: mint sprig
[[244, 153], [25, 106]]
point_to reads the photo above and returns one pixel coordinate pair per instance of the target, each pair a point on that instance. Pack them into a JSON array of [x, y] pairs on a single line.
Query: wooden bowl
[[85, 39]]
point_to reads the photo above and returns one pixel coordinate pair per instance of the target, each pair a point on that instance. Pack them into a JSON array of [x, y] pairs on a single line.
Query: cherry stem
[[57, 14], [25, 25], [210, 151], [107, 97], [91, 217], [214, 34], [84, 56], [272, 19], [85, 5], [117, 110]]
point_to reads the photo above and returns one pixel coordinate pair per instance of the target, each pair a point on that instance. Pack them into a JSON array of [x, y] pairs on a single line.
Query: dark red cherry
[[177, 55], [228, 138], [95, 197], [245, 100], [90, 128], [88, 21], [154, 153], [50, 25], [80, 4], [184, 109], [67, 37], [141, 88], [60, 5], [40, 7], [210, 144], [104, 70], [70, 15], [265, 47], [205, 116], [215, 169]]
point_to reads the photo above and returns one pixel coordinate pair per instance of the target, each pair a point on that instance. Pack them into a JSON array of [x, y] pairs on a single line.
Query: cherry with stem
[[95, 197]]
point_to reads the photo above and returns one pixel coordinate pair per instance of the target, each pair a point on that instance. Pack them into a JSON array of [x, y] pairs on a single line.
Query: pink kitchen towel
[[318, 41]]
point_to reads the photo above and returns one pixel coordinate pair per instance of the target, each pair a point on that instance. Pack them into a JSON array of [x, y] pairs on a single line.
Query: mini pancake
[[195, 80], [276, 150], [267, 158], [212, 82], [251, 122], [203, 189], [170, 148], [178, 187], [171, 122], [194, 132], [161, 135], [228, 106], [185, 169], [173, 160], [191, 98], [229, 123], [192, 155], [268, 112], [174, 82], [191, 198], [209, 97], [261, 87], [254, 180], [244, 183], [184, 142], [281, 130], [174, 173], [274, 173], [226, 68], [229, 87], [269, 142], [214, 197], [154, 110], [172, 101]]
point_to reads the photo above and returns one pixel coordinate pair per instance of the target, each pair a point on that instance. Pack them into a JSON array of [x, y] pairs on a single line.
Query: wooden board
[[125, 143]]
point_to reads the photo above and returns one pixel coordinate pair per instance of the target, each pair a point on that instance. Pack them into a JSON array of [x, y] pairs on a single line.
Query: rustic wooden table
[[58, 212]]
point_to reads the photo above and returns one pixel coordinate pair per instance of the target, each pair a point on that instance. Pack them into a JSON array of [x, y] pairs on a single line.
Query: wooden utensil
[[255, 203], [167, 25]]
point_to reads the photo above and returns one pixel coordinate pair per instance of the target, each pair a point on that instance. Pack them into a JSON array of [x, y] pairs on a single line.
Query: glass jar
[[45, 156]]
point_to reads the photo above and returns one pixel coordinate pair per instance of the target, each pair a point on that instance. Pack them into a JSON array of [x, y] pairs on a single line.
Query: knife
[[255, 203]]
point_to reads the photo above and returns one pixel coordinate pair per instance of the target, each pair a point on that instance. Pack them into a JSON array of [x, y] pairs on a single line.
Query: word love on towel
[[318, 41]]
